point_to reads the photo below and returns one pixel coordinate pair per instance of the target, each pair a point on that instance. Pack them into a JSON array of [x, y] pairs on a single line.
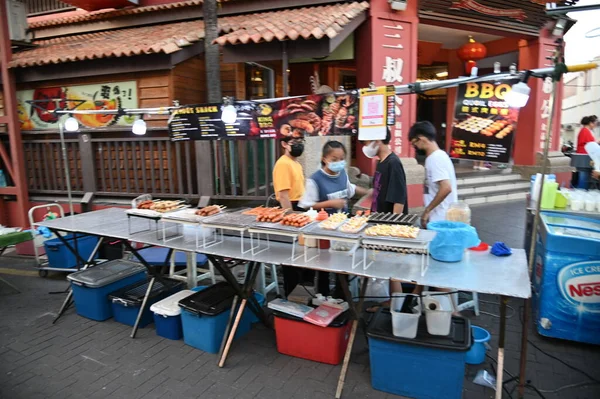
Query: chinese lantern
[[470, 53]]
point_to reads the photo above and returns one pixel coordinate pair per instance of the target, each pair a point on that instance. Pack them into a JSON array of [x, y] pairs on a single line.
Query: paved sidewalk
[[79, 358]]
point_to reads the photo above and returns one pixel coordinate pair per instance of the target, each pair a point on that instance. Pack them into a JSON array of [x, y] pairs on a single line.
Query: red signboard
[[514, 13]]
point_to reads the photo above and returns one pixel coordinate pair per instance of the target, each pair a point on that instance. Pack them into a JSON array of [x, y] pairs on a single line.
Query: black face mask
[[296, 149]]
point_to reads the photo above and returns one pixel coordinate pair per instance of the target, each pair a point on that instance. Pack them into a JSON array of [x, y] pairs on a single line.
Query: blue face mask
[[337, 167]]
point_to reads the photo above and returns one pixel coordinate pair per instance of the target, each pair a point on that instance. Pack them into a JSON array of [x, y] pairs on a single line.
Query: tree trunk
[[211, 52]]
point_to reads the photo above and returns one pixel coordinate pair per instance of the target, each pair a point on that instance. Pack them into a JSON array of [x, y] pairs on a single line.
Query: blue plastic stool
[[155, 256]]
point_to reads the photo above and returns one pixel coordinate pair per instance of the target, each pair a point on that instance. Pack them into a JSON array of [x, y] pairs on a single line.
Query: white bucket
[[404, 325], [438, 312]]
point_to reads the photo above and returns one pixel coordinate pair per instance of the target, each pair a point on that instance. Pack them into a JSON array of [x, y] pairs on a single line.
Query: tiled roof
[[166, 39], [307, 23], [94, 16]]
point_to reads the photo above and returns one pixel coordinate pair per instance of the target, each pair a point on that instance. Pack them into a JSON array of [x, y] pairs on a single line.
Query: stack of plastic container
[[167, 315]]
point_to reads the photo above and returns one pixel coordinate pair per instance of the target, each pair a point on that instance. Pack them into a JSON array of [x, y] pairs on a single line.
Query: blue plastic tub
[[427, 367], [476, 355], [155, 256], [206, 332], [92, 286], [127, 301], [451, 240], [59, 256], [167, 316]]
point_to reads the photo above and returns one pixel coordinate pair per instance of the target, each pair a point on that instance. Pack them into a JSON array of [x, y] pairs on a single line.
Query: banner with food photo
[[35, 107], [313, 115], [204, 122], [484, 125]]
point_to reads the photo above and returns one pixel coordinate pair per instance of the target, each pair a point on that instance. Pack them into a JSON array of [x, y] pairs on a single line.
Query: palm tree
[[211, 51]]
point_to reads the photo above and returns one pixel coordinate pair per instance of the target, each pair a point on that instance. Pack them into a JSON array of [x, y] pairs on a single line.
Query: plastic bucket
[[438, 313], [476, 355], [404, 325]]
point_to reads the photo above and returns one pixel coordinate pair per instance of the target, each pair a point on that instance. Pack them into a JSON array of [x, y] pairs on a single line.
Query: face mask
[[371, 150], [296, 149], [337, 167]]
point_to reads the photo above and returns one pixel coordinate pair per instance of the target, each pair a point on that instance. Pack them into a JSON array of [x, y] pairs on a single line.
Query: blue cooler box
[[92, 286], [427, 367], [127, 301], [167, 315], [205, 314], [566, 280], [59, 256]]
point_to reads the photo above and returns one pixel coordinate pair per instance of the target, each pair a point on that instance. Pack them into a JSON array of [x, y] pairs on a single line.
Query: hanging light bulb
[[71, 124], [518, 96], [228, 111], [139, 127]]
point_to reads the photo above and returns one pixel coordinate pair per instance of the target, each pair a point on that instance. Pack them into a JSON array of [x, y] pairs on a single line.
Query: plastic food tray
[[317, 231]]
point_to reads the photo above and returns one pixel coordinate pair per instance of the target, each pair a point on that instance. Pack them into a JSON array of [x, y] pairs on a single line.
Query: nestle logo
[[584, 289]]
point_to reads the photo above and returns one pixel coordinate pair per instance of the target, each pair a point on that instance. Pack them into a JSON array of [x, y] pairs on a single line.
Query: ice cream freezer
[[566, 280]]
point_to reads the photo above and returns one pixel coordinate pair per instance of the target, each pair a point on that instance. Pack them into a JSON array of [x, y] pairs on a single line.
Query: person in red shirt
[[585, 134]]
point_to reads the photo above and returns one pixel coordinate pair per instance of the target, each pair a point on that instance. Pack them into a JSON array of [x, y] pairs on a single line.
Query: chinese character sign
[[545, 112], [484, 124], [35, 107]]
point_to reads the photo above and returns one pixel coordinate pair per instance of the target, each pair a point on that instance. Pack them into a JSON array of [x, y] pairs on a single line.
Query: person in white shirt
[[440, 187]]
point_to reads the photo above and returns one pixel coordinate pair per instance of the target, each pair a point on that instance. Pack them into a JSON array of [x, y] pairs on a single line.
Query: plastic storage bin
[[438, 312], [92, 286], [127, 301], [476, 355], [404, 324], [59, 256], [427, 367], [297, 338], [167, 315], [204, 317]]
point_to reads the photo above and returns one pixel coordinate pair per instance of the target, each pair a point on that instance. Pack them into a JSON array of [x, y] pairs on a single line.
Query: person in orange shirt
[[288, 183], [288, 176]]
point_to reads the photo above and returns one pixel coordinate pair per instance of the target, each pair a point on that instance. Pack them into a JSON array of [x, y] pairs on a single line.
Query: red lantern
[[470, 53]]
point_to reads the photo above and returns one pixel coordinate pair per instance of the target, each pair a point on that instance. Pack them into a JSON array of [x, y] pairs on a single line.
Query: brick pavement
[[79, 358]]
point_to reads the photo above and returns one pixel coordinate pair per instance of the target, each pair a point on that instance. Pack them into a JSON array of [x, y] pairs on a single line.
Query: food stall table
[[477, 272]]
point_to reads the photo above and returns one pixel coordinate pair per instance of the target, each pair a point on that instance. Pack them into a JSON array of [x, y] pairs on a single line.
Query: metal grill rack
[[393, 218], [229, 221], [318, 233], [277, 229]]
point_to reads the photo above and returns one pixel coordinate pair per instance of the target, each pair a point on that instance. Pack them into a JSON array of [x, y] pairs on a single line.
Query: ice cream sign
[[579, 284]]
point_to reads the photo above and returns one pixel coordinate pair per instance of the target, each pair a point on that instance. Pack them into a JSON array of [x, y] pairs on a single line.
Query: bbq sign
[[484, 125], [579, 284]]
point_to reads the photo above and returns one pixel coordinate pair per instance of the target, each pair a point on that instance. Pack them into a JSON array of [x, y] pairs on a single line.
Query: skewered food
[[259, 211], [166, 206], [274, 215], [396, 231], [145, 204], [296, 220], [334, 221], [355, 224], [209, 210]]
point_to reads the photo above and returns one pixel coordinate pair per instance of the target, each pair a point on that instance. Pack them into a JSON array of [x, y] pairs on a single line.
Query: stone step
[[487, 180], [487, 188], [494, 197]]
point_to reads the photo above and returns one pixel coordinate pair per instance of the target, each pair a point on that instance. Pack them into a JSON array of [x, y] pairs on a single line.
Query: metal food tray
[[139, 213], [424, 236], [187, 216], [317, 231], [393, 218], [278, 227], [233, 219]]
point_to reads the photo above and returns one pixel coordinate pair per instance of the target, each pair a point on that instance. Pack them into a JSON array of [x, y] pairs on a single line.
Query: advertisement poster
[[373, 114], [314, 115], [35, 106], [203, 122], [484, 125]]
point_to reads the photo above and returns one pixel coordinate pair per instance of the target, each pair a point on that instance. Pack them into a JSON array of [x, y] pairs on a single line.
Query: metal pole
[[61, 129], [501, 339], [285, 67]]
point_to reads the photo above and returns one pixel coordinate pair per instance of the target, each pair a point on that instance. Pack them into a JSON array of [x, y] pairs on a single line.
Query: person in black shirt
[[389, 182], [389, 186]]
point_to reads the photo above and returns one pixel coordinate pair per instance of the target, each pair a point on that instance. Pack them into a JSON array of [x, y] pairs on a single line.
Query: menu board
[[484, 125], [203, 122], [314, 115]]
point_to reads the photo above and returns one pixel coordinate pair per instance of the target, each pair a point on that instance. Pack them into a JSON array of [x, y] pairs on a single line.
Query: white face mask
[[371, 150]]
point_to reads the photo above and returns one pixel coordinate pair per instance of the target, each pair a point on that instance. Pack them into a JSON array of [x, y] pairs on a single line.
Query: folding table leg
[[501, 338], [229, 324], [144, 302], [232, 333], [356, 311]]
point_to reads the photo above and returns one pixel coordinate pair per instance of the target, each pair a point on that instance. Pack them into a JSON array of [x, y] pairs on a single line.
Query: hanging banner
[[203, 122], [333, 114], [484, 125], [35, 107], [373, 114]]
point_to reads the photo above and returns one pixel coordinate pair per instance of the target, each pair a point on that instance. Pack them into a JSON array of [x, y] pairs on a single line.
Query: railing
[[129, 166], [40, 7]]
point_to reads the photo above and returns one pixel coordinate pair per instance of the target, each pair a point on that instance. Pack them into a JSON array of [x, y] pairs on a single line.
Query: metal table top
[[477, 272]]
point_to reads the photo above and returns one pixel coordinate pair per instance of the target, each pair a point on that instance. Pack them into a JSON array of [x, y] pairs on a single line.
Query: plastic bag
[[378, 290], [451, 240], [485, 379]]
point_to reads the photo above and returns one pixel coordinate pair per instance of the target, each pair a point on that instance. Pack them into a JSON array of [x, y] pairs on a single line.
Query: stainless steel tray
[[234, 219], [317, 231], [278, 227]]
